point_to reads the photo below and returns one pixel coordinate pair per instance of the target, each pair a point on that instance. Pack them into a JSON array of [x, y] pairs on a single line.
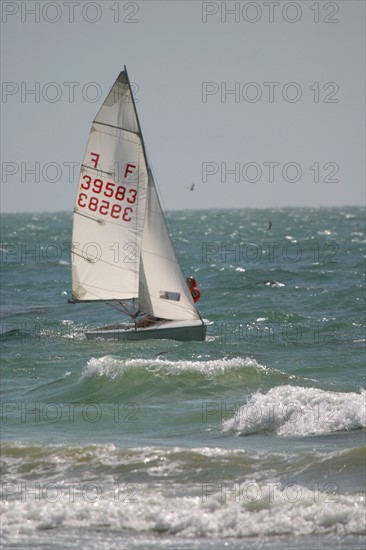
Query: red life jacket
[[196, 294]]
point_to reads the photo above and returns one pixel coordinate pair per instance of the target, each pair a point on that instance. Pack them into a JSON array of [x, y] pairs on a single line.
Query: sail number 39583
[[111, 191]]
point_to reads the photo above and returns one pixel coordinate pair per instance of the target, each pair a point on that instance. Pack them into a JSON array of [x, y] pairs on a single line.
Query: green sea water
[[254, 438]]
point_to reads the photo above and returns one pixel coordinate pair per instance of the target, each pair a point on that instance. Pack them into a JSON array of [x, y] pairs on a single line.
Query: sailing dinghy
[[122, 253]]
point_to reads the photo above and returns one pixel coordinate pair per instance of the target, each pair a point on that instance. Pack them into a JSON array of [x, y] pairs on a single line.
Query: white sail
[[110, 205], [121, 246], [163, 289]]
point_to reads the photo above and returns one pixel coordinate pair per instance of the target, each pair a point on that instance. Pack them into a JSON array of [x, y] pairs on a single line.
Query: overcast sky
[[259, 104]]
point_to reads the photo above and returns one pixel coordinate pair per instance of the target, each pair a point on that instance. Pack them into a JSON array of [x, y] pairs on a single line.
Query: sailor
[[192, 285]]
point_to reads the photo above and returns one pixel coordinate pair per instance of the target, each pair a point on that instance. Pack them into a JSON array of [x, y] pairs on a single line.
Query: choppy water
[[252, 439]]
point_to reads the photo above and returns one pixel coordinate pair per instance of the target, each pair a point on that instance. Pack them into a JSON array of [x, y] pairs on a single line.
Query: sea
[[252, 439]]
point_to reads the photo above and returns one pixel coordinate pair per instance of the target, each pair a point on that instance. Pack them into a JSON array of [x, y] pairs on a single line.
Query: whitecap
[[112, 367], [296, 411]]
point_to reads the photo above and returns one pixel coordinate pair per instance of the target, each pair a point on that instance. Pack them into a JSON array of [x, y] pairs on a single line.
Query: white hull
[[183, 331]]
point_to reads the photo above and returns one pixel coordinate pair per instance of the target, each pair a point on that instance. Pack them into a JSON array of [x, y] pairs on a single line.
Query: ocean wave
[[297, 411], [112, 367], [110, 379], [108, 376], [243, 511], [174, 492], [95, 462]]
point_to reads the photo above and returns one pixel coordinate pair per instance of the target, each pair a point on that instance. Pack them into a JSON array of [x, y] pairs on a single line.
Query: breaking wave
[[296, 411]]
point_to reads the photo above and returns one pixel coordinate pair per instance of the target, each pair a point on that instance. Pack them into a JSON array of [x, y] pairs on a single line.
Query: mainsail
[[121, 247]]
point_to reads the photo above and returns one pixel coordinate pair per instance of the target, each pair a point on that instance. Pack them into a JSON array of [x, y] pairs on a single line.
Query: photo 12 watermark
[[268, 412], [53, 252], [326, 333], [71, 92], [270, 92], [270, 251], [251, 492], [273, 12], [70, 12], [69, 492], [270, 172], [27, 412]]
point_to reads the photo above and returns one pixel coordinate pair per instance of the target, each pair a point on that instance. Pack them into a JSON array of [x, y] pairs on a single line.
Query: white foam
[[296, 411], [112, 367], [240, 511], [95, 497]]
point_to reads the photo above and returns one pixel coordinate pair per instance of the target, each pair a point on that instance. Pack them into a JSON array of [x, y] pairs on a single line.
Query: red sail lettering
[[95, 160], [128, 169]]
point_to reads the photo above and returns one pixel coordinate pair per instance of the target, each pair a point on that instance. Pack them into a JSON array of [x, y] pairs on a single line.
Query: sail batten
[[116, 127], [89, 217], [96, 170]]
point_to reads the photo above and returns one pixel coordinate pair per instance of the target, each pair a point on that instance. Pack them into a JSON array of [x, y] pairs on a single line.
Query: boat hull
[[183, 331]]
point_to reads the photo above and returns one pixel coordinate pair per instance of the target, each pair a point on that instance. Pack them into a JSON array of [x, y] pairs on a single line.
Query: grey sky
[[259, 104]]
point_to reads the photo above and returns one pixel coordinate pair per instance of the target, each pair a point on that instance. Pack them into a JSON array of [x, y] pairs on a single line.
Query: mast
[[138, 120]]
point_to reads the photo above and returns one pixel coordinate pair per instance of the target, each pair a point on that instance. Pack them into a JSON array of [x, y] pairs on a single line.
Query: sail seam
[[93, 260], [88, 286], [172, 260], [98, 220], [117, 127], [97, 170]]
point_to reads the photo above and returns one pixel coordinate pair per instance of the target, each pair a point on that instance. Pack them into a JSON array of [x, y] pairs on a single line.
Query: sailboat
[[122, 253]]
